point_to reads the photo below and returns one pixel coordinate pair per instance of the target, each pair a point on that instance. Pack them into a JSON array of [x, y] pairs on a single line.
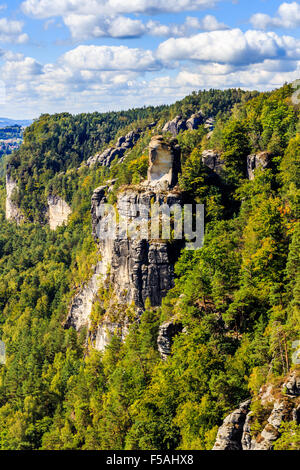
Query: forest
[[237, 297]]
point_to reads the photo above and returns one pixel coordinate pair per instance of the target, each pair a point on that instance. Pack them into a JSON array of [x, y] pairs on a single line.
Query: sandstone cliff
[[245, 429], [130, 269], [58, 211], [12, 211]]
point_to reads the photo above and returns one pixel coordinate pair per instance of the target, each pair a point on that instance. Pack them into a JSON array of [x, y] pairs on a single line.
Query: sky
[[103, 55]]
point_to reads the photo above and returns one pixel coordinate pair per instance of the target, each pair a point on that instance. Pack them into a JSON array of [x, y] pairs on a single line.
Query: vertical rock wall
[[12, 211], [58, 212]]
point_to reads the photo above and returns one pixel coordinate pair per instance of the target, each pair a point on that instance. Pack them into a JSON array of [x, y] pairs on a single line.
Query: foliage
[[237, 297]]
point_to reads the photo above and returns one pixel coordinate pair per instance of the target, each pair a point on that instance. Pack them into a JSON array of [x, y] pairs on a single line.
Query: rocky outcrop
[[213, 160], [210, 124], [58, 211], [106, 331], [166, 334], [164, 162], [123, 144], [279, 404], [12, 211], [195, 121], [175, 126], [81, 305], [231, 432], [132, 268], [179, 124], [139, 268], [260, 160]]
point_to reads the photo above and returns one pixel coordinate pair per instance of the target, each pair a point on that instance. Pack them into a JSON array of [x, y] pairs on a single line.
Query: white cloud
[[89, 78], [101, 18], [230, 47], [85, 26], [48, 8], [96, 25], [12, 31], [288, 16], [110, 58], [189, 27]]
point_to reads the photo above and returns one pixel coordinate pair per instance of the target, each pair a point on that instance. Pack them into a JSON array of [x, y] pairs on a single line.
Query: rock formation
[[58, 211], [259, 160], [133, 269], [213, 160], [164, 162], [82, 303], [280, 405], [195, 120], [166, 334], [123, 144], [180, 124], [12, 211]]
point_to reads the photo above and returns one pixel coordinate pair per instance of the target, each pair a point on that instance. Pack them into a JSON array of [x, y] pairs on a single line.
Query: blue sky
[[100, 55]]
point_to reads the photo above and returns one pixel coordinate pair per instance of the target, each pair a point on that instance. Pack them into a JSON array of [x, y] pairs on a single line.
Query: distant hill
[[5, 122]]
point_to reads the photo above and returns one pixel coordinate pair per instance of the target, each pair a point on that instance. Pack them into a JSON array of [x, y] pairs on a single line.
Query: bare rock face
[[213, 160], [260, 160], [166, 334], [12, 211], [179, 124], [138, 268], [280, 406], [175, 126], [133, 269], [58, 211], [195, 121], [81, 306], [164, 162], [106, 331], [230, 433], [123, 144]]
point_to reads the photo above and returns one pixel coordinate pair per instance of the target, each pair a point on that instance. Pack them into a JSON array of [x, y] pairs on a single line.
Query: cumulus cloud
[[12, 31], [90, 77], [110, 58], [85, 26], [189, 27], [48, 8], [106, 18], [288, 16], [230, 47]]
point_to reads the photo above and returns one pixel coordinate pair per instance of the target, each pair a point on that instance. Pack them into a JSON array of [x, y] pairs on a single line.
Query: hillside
[[149, 345]]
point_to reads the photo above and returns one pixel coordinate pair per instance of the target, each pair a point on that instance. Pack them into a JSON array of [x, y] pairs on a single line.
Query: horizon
[[103, 55]]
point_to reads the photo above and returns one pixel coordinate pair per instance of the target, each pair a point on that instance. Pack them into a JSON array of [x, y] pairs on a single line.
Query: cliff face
[[243, 430], [58, 212], [132, 269], [260, 160], [12, 211]]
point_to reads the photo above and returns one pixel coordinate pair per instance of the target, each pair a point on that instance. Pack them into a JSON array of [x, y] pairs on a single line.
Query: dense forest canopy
[[237, 297]]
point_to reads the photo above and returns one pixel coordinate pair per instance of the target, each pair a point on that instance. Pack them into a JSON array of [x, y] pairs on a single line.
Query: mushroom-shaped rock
[[164, 162]]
